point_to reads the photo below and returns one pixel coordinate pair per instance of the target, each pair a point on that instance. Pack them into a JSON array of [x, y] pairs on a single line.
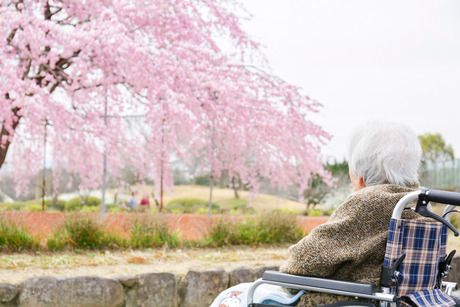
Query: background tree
[[318, 188], [439, 168], [435, 148], [315, 192], [84, 68]]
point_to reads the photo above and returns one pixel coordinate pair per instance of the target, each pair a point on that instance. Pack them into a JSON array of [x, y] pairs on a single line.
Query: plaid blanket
[[424, 243]]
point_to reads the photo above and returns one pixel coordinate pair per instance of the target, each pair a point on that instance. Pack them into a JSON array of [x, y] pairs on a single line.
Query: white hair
[[383, 152]]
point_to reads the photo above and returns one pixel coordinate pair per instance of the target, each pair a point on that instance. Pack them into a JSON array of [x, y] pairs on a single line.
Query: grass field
[[224, 197]]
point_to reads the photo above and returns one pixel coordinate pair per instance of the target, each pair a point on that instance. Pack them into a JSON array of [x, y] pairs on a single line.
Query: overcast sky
[[395, 60]]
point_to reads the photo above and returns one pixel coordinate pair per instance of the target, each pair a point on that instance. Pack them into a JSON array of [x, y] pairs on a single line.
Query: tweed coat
[[351, 245]]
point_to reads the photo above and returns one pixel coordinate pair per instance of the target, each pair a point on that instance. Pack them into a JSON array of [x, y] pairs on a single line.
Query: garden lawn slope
[[223, 197]]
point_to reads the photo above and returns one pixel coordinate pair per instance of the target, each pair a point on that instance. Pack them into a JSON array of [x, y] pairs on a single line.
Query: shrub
[[215, 209], [147, 234], [190, 205], [77, 203], [59, 241], [278, 228], [113, 241], [318, 212], [91, 201], [89, 209], [287, 211], [14, 238], [221, 234], [83, 233], [329, 212], [34, 207], [202, 180], [236, 206], [269, 228], [73, 204], [58, 205], [12, 206], [246, 233], [113, 208], [233, 203]]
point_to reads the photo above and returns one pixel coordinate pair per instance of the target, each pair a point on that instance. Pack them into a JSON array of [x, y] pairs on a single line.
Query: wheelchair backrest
[[416, 250], [422, 243]]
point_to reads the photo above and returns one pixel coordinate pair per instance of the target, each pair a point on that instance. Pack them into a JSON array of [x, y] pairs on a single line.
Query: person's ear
[[361, 182]]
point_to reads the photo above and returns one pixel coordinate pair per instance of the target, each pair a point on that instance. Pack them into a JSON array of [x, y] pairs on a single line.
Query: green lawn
[[222, 197], [225, 198]]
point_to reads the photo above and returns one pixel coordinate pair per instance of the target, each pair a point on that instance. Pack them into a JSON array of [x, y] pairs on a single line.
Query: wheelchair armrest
[[338, 285]]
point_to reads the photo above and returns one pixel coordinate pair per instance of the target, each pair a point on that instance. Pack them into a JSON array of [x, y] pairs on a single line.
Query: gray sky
[[365, 60]]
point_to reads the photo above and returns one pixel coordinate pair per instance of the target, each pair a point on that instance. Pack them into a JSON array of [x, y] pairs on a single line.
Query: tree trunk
[[161, 204], [44, 169], [162, 162], [55, 199], [161, 189], [103, 207], [211, 188], [6, 135], [235, 188]]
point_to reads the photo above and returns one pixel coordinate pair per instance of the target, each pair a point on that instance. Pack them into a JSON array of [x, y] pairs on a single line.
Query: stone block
[[199, 288], [8, 294], [71, 292], [152, 290]]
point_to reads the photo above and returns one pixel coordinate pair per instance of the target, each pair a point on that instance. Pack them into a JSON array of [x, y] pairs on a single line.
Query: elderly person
[[383, 159]]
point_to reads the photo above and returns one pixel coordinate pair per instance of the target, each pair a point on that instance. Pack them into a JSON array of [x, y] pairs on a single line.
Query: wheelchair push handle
[[439, 196], [443, 197], [423, 197]]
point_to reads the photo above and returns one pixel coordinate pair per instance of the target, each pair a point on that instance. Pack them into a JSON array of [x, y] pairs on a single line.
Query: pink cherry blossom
[[178, 78]]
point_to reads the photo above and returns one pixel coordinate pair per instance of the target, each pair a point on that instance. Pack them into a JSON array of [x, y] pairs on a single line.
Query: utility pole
[[45, 135], [162, 162], [211, 175], [102, 209], [214, 98], [106, 117]]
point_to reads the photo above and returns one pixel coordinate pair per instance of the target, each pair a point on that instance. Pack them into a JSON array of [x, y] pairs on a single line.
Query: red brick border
[[190, 226]]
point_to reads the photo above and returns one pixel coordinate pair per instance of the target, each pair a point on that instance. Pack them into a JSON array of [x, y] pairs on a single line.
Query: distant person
[[132, 203], [145, 203]]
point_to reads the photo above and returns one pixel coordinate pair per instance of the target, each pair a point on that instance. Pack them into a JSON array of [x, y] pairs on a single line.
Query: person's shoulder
[[377, 196], [382, 191]]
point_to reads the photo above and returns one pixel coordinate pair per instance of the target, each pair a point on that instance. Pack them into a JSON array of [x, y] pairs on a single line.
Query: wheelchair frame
[[354, 289]]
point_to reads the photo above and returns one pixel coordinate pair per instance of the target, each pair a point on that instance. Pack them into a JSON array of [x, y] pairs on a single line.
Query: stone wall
[[195, 289]]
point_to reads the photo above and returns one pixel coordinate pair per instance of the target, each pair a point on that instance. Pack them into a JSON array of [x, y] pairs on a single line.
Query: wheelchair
[[413, 248]]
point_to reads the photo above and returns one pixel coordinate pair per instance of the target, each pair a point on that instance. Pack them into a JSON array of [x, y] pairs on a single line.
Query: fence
[[442, 175]]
